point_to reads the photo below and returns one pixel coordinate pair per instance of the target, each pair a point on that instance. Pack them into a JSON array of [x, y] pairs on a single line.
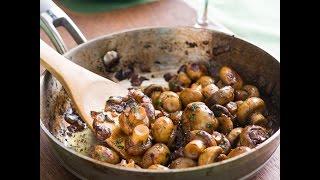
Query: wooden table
[[162, 13]]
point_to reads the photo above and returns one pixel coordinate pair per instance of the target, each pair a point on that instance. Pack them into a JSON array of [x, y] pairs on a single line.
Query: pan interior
[[154, 52]]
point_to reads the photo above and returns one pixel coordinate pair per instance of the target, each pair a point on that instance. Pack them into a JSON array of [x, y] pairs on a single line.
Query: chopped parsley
[[192, 117], [158, 102], [209, 125], [119, 143], [194, 107]]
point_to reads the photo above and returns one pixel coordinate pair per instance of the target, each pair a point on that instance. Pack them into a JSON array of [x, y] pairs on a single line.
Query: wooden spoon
[[87, 90]]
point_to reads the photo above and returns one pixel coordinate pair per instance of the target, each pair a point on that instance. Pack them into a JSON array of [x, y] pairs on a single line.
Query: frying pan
[[159, 50]]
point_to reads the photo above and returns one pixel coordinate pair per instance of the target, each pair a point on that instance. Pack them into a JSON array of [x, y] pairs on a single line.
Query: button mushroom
[[240, 95], [225, 124], [251, 90], [230, 77], [203, 136], [189, 95], [105, 154], [176, 117], [222, 96], [222, 141], [182, 163], [253, 135], [157, 154], [197, 116], [169, 101], [258, 119], [248, 107], [232, 107], [209, 90], [161, 129], [139, 141], [221, 157], [194, 148], [238, 150], [205, 81], [179, 82], [137, 115], [209, 155], [153, 91], [195, 70], [233, 136]]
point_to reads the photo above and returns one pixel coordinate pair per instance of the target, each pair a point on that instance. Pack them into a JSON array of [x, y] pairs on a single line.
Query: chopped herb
[[192, 117], [209, 125], [194, 107], [119, 143], [158, 102]]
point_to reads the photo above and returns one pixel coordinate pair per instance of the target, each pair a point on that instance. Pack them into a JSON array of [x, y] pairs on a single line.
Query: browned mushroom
[[233, 136], [179, 82], [253, 135], [225, 124], [222, 96], [139, 141], [157, 154], [209, 155], [195, 70], [182, 163], [136, 115], [203, 136], [222, 141], [240, 95], [105, 154], [205, 81], [176, 117], [221, 157], [248, 107], [209, 90], [161, 129], [232, 107], [189, 95], [237, 151], [258, 119], [251, 90], [194, 148], [197, 116], [169, 101], [230, 77]]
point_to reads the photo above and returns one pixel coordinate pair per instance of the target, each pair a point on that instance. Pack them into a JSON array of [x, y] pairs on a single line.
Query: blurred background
[[258, 21]]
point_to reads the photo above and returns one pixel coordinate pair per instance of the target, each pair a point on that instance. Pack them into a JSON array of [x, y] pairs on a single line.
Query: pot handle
[[51, 17]]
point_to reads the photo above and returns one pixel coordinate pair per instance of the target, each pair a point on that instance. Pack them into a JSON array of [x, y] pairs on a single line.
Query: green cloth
[[91, 6], [257, 21]]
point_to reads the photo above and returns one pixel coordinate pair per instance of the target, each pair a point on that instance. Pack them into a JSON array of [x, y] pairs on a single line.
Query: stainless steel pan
[[162, 50]]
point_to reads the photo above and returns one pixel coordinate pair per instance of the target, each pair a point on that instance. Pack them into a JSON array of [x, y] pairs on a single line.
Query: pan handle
[[51, 17]]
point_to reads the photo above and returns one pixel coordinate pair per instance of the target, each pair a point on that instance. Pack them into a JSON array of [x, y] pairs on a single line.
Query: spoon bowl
[[87, 90]]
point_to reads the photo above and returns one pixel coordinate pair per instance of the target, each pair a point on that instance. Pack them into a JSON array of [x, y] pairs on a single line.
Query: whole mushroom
[[197, 116], [169, 101], [189, 95], [209, 155], [238, 150], [221, 97], [230, 77], [253, 135], [139, 141], [248, 107]]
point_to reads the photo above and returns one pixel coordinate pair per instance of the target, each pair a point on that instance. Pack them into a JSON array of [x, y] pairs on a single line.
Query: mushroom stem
[[140, 134]]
